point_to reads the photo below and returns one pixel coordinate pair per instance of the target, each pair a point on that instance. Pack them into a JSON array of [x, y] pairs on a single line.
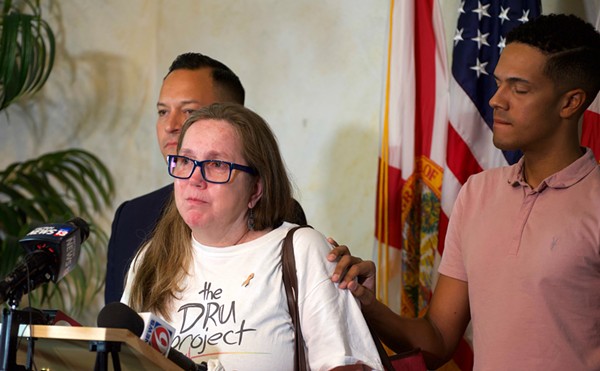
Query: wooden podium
[[70, 348]]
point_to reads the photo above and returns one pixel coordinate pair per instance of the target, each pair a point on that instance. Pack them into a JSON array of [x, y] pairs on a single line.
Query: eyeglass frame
[[200, 164]]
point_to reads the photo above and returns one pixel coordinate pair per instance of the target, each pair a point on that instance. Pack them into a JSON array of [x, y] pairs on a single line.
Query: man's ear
[[256, 194], [572, 103]]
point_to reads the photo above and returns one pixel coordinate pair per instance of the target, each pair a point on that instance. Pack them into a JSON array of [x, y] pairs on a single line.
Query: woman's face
[[216, 213]]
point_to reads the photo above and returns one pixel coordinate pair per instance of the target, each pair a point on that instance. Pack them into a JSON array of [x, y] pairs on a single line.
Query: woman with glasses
[[213, 266]]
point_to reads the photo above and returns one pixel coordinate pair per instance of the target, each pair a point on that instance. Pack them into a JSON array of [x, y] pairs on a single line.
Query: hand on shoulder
[[353, 273]]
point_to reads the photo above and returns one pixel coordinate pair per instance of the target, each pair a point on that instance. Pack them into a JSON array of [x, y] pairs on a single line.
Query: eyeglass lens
[[212, 170]]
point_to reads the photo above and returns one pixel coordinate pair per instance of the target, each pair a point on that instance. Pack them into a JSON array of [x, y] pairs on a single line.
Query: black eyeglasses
[[213, 171]]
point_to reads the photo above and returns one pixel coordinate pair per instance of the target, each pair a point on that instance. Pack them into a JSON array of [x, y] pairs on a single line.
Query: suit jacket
[[132, 226]]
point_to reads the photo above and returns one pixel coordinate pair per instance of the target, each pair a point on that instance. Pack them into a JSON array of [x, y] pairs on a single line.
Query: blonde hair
[[166, 258]]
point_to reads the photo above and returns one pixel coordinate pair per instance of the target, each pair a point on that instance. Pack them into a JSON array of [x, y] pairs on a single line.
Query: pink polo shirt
[[531, 258]]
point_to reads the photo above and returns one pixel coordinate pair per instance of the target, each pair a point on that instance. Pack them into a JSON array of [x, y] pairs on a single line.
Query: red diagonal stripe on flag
[[459, 158], [590, 136]]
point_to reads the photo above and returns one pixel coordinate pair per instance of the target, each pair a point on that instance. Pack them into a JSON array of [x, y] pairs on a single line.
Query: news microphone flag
[[150, 328], [52, 252], [61, 239], [157, 332]]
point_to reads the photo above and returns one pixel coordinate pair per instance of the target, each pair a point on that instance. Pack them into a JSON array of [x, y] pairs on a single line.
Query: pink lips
[[171, 144], [498, 121], [195, 200]]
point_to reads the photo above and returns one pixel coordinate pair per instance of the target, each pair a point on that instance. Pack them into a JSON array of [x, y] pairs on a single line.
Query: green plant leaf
[[27, 52], [53, 188]]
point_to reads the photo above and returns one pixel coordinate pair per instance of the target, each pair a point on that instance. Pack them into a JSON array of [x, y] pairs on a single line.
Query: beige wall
[[312, 68]]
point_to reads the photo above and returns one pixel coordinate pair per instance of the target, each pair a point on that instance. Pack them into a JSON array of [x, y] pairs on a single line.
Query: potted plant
[[53, 187]]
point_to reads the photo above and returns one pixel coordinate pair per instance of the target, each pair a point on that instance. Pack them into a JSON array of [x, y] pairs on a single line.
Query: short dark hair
[[224, 78], [572, 46]]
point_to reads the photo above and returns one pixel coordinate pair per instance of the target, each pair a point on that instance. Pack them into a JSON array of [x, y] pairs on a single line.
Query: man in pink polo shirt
[[522, 254]]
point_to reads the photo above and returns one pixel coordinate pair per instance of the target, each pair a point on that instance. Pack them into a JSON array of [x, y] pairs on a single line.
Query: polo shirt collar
[[562, 179]]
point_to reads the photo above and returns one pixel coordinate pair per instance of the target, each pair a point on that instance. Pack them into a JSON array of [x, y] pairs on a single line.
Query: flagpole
[[383, 188]]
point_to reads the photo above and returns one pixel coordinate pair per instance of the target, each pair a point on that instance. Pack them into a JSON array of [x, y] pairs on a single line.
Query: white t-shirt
[[234, 307]]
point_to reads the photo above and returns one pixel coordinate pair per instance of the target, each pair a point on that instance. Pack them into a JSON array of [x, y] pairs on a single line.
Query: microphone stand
[[12, 318], [102, 349]]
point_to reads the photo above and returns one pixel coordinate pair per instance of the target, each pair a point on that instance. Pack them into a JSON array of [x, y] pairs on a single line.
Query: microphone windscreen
[[83, 226], [153, 330], [119, 315]]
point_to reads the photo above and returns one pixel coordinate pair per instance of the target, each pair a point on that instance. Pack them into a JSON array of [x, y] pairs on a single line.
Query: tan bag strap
[[290, 282]]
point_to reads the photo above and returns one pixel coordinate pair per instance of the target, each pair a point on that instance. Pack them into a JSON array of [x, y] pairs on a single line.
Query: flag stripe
[[463, 356], [426, 76], [590, 136], [591, 132], [460, 160], [394, 210], [467, 122]]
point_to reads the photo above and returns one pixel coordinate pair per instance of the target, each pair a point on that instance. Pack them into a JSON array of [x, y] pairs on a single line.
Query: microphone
[[52, 252], [151, 329]]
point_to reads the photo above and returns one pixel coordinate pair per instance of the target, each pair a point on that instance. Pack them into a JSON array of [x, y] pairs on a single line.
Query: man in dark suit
[[193, 81]]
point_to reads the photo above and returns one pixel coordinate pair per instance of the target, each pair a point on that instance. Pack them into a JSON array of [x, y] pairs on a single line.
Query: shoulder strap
[[290, 282], [383, 355]]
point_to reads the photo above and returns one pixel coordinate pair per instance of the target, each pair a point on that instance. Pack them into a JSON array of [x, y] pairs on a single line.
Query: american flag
[[414, 136], [478, 41]]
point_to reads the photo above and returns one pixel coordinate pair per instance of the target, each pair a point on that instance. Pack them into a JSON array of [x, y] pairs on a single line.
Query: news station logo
[[159, 336], [51, 230], [62, 232]]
